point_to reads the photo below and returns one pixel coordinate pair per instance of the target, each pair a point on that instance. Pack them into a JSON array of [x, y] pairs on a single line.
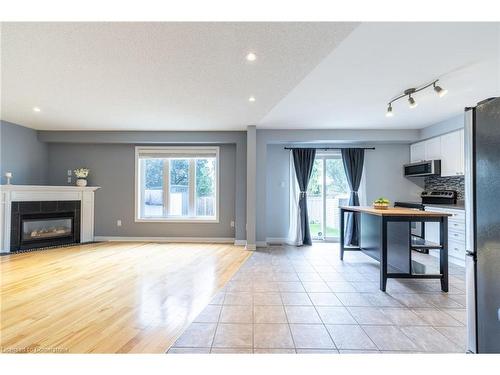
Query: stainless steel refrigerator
[[482, 205]]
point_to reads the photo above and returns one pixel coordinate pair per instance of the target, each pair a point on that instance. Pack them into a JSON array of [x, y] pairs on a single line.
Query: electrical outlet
[[69, 180], [118, 223], [70, 172], [232, 224], [282, 184]]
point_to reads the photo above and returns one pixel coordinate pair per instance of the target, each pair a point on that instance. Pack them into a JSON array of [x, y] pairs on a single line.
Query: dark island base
[[387, 239]]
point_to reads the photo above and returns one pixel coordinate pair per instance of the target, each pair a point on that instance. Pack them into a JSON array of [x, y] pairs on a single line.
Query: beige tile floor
[[305, 300]]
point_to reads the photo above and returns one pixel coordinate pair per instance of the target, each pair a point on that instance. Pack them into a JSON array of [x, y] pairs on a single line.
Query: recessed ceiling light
[[251, 56], [36, 109], [251, 99]]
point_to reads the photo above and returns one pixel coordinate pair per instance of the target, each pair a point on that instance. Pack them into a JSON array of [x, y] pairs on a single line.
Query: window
[[177, 184]]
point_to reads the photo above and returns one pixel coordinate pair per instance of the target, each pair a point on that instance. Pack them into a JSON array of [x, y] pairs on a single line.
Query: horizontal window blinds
[[177, 153]]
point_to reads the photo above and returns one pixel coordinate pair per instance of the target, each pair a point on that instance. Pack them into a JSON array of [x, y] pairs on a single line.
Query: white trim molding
[[250, 247], [166, 152], [26, 193], [166, 239]]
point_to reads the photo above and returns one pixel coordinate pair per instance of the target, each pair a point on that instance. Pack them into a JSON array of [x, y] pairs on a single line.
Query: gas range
[[439, 197], [434, 197]]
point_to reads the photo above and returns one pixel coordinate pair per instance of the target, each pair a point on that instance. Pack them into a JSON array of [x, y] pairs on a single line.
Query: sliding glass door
[[327, 190]]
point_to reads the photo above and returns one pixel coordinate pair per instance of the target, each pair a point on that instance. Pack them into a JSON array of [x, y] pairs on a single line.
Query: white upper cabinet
[[417, 152], [452, 154], [449, 148], [433, 148]]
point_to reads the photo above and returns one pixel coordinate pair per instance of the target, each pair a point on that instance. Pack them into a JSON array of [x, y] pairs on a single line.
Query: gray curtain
[[303, 160], [353, 159]]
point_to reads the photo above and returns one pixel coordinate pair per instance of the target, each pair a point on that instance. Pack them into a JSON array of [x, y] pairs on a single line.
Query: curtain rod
[[329, 148]]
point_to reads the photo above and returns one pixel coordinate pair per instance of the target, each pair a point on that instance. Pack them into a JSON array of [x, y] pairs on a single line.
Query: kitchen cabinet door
[[417, 152], [433, 148], [451, 154]]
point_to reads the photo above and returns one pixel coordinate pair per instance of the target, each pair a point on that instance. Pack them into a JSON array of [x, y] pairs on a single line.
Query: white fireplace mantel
[[23, 193]]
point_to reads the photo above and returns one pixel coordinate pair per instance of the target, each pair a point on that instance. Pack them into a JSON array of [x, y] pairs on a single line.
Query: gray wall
[[266, 198], [112, 168], [384, 174], [23, 155], [383, 177], [278, 190], [89, 139], [443, 127], [110, 156]]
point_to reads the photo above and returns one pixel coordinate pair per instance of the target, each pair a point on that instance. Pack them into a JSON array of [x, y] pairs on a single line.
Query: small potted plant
[[81, 176], [381, 203]]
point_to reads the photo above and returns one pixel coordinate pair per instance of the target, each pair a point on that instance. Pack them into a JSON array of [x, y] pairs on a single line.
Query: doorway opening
[[327, 190]]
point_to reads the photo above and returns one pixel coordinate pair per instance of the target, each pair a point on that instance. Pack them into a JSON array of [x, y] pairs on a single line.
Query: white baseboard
[[167, 239], [250, 247], [269, 241]]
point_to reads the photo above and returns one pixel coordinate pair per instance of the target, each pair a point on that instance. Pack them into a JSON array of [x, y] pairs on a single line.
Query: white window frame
[[192, 191]]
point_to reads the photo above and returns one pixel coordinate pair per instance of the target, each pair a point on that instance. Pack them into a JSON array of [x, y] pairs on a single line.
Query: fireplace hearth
[[44, 224]]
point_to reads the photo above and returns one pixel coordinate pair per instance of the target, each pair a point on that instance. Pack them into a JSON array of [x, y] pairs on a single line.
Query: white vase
[[81, 182]]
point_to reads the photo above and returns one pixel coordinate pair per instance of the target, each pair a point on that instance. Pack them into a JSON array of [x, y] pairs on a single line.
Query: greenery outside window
[[177, 184]]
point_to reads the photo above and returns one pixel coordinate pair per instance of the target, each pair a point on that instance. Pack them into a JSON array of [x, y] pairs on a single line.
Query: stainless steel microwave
[[423, 168]]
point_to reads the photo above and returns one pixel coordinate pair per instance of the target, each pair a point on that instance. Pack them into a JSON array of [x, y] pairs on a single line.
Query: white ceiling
[[155, 76], [351, 87], [194, 76]]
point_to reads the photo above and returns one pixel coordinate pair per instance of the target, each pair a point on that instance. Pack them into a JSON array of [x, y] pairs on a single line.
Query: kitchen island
[[385, 236]]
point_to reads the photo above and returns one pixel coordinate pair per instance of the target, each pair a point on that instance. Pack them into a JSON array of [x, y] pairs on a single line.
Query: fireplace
[[41, 227], [44, 224]]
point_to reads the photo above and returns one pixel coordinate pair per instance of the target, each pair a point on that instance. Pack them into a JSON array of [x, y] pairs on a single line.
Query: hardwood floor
[[109, 297]]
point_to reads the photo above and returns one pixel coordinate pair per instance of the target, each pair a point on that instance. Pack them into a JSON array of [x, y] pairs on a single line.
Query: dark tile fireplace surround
[[43, 224]]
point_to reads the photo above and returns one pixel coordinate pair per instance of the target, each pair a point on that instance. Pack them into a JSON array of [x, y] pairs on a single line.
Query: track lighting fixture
[[411, 100]]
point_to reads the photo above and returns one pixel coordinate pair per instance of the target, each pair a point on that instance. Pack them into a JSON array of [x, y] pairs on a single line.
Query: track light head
[[389, 112], [412, 102], [439, 90]]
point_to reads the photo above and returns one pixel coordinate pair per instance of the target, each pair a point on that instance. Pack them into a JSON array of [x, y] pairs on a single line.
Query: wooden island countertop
[[393, 211]]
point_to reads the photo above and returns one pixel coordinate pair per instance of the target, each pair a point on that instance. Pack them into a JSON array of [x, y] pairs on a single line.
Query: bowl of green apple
[[381, 203]]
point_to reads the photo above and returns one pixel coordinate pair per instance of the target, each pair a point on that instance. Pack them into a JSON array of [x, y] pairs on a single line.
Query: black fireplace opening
[[44, 224]]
